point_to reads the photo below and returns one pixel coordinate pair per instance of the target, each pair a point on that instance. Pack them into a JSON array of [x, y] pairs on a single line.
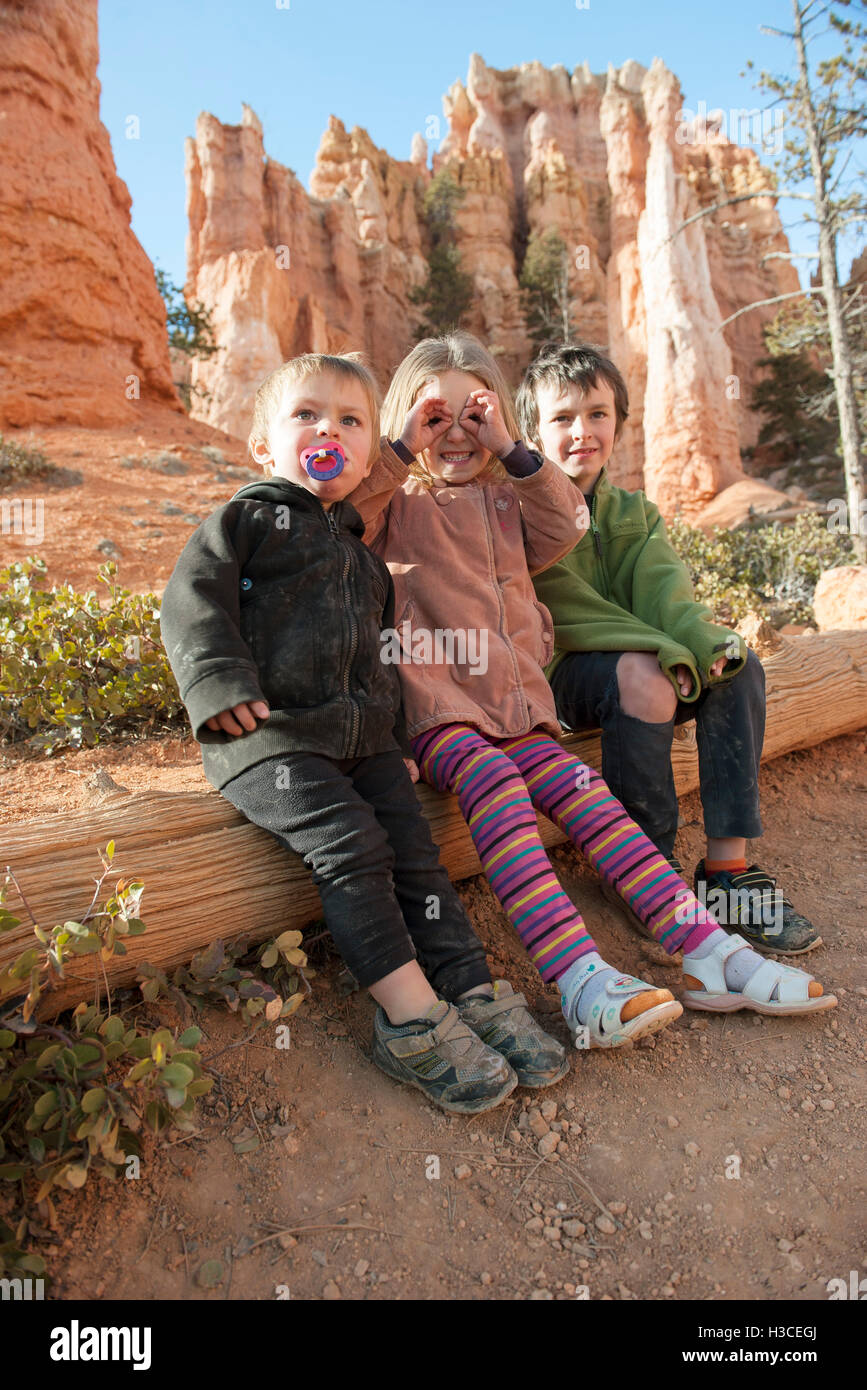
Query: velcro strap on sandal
[[791, 985]]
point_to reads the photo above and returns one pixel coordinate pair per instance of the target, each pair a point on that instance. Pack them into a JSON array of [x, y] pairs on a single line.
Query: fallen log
[[208, 873]]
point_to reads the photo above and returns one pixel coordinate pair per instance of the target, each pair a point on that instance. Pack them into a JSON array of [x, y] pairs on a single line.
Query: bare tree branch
[[759, 303]]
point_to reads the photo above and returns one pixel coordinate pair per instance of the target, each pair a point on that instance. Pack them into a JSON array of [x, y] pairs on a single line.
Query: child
[[461, 539], [272, 622], [636, 654]]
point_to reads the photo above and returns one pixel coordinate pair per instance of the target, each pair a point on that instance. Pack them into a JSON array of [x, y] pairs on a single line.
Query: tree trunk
[[208, 873], [841, 353]]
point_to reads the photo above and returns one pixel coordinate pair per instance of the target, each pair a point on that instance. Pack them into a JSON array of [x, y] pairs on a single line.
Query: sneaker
[[751, 904], [506, 1025], [615, 899], [442, 1056]]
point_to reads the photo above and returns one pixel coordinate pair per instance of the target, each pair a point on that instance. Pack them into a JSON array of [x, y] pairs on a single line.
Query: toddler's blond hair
[[345, 364]]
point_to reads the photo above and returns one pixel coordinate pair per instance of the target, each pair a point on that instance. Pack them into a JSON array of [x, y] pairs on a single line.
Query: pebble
[[672, 1121], [541, 1295], [331, 1292], [515, 1136], [361, 1269], [551, 1232], [537, 1125], [535, 1225], [785, 1246], [605, 1225], [784, 1093], [617, 1208], [486, 1278], [462, 1171], [826, 1103], [285, 1241], [547, 1144], [549, 1110], [691, 1150], [574, 1229], [320, 1257], [645, 1230], [807, 1106]]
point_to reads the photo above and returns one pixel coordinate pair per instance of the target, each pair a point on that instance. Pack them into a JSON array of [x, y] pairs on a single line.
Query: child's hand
[[683, 676], [411, 768], [482, 419], [231, 720], [430, 417], [719, 666]]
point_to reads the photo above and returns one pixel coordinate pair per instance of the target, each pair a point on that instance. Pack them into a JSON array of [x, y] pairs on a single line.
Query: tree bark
[[841, 353], [208, 873]]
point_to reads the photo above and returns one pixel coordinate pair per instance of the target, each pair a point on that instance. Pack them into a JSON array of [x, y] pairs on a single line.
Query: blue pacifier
[[324, 461]]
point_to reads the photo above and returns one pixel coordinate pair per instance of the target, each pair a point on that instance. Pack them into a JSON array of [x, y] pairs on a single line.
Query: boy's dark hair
[[563, 365]]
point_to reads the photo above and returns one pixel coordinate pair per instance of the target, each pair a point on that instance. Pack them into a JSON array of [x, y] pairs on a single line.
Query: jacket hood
[[280, 491]]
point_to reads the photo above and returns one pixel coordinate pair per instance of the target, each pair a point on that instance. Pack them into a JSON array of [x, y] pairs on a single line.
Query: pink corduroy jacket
[[470, 636]]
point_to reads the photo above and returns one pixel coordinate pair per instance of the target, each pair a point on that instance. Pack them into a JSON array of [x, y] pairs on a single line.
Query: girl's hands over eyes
[[232, 720], [482, 419], [430, 417]]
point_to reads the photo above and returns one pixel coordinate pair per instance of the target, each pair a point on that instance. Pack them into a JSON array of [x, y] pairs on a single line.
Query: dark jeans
[[357, 823], [636, 756]]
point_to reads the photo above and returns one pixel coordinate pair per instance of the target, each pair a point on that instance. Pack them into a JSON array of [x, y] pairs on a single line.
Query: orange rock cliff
[[82, 324], [604, 159]]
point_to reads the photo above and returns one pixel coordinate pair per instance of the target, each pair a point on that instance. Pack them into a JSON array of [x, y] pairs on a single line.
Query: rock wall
[[82, 325], [284, 272], [603, 158]]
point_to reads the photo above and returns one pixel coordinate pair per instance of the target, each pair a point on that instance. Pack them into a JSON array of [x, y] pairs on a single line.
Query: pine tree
[[447, 292], [545, 284]]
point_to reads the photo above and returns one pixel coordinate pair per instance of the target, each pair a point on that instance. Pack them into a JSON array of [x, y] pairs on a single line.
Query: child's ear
[[261, 453]]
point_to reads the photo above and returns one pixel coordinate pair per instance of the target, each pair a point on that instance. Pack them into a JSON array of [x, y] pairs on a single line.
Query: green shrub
[[772, 570], [18, 463], [75, 671], [75, 1095]]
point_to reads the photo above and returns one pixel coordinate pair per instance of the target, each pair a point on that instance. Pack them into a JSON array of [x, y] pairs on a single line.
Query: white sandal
[[716, 997], [604, 1028]]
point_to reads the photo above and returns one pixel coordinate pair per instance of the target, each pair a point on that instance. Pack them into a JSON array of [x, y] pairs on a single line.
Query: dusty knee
[[645, 693]]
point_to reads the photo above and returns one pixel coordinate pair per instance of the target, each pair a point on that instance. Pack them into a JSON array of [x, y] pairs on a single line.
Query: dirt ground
[[722, 1159]]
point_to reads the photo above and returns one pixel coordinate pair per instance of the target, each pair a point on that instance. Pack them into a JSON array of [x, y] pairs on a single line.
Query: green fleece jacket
[[624, 588]]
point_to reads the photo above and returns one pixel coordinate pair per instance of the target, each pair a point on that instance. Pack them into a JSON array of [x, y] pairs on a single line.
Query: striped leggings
[[498, 782]]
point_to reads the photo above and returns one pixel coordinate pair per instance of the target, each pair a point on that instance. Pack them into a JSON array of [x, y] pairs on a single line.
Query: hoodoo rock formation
[[82, 324], [606, 160]]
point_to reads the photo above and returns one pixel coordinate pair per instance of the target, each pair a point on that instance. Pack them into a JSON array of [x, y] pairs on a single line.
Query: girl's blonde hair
[[346, 364], [454, 352]]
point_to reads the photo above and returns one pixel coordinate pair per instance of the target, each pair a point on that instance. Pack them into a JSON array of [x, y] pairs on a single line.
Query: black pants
[[357, 823], [636, 756]]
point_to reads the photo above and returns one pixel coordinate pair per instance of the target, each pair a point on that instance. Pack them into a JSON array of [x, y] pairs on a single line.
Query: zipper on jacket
[[353, 636], [597, 543], [489, 536]]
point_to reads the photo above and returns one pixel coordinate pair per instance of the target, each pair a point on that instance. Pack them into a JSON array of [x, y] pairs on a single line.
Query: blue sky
[[382, 64]]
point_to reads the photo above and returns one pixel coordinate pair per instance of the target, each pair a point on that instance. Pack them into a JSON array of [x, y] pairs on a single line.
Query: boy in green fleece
[[635, 653]]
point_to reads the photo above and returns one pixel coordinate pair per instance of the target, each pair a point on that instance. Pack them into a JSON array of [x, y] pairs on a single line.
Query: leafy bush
[[74, 1098], [218, 975], [18, 463], [74, 671], [772, 570]]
